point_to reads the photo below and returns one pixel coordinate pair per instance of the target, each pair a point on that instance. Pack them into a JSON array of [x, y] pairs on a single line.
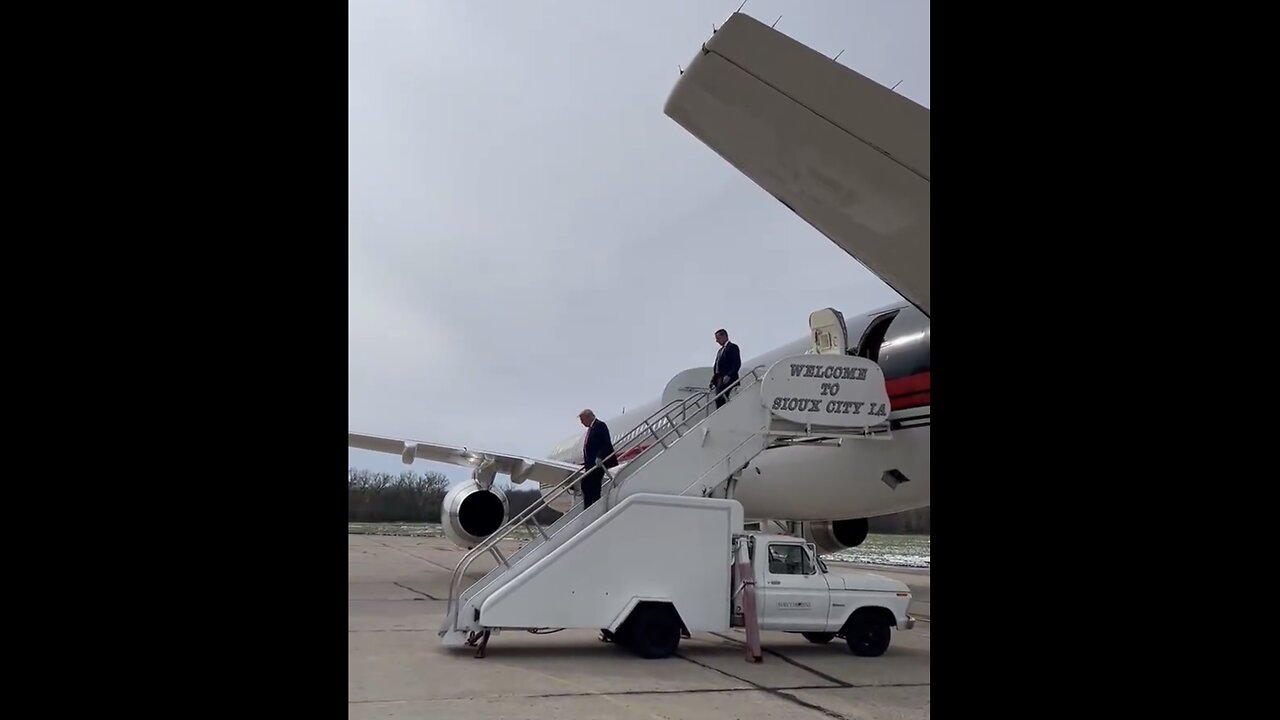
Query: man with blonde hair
[[597, 446]]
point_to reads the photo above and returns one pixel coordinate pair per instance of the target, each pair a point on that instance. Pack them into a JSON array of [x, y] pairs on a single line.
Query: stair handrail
[[453, 607], [626, 445], [538, 505], [751, 379], [666, 410], [704, 399]]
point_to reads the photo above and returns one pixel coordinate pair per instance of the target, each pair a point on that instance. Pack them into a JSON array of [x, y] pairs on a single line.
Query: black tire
[[867, 636], [818, 638], [653, 631]]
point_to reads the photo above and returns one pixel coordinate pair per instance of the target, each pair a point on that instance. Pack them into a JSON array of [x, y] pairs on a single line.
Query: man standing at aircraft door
[[596, 446], [724, 374]]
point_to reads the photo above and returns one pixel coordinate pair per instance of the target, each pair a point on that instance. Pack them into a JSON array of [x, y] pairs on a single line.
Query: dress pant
[[722, 399], [590, 484]]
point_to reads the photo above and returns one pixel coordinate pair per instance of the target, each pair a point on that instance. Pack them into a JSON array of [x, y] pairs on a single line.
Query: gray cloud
[[529, 234]]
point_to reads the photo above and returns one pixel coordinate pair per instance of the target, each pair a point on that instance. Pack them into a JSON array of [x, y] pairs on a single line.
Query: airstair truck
[[663, 554]]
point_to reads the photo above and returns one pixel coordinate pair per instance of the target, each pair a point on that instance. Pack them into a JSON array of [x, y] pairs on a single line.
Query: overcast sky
[[529, 234]]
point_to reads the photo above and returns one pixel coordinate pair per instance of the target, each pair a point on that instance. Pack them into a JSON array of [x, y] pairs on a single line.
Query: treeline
[[383, 497], [415, 498]]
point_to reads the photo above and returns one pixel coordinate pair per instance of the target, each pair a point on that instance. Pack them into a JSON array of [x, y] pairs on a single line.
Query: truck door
[[795, 596]]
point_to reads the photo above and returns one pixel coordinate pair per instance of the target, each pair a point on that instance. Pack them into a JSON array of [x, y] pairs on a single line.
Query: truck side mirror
[[813, 558]]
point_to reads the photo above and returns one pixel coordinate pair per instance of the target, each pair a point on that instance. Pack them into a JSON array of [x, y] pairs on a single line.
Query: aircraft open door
[[828, 331]]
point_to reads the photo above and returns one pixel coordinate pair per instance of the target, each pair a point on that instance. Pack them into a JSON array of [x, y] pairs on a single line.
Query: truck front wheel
[[867, 636], [653, 631]]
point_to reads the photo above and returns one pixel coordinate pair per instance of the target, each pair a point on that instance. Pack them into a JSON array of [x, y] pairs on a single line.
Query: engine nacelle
[[470, 514], [831, 536]]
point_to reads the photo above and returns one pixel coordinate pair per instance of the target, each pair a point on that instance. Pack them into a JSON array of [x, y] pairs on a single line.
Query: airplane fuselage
[[827, 482]]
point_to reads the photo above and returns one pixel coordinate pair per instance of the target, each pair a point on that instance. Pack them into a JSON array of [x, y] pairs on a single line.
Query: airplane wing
[[846, 154], [546, 473]]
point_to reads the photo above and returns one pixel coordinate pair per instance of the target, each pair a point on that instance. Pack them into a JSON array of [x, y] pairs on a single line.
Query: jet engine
[[835, 535], [471, 513]]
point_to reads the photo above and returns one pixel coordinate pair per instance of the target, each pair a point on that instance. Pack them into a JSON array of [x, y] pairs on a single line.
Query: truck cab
[[797, 593]]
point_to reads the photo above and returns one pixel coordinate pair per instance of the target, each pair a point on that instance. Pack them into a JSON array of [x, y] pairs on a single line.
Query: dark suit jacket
[[598, 445], [729, 362]]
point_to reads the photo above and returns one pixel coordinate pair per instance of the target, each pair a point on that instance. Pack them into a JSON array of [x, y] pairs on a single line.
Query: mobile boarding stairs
[[592, 566]]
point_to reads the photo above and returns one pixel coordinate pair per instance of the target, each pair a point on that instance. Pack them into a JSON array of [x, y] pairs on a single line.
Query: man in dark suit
[[597, 446], [724, 373]]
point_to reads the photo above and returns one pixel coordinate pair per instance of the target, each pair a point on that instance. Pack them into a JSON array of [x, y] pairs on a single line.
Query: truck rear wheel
[[653, 631], [818, 638], [867, 636]]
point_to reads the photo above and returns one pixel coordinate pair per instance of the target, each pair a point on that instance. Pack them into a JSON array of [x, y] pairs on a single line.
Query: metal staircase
[[697, 450], [654, 434]]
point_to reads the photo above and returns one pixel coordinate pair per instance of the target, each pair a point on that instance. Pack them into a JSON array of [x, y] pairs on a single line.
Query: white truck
[[794, 592], [657, 567]]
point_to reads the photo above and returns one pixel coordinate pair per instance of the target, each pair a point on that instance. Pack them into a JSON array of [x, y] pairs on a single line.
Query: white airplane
[[849, 156]]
